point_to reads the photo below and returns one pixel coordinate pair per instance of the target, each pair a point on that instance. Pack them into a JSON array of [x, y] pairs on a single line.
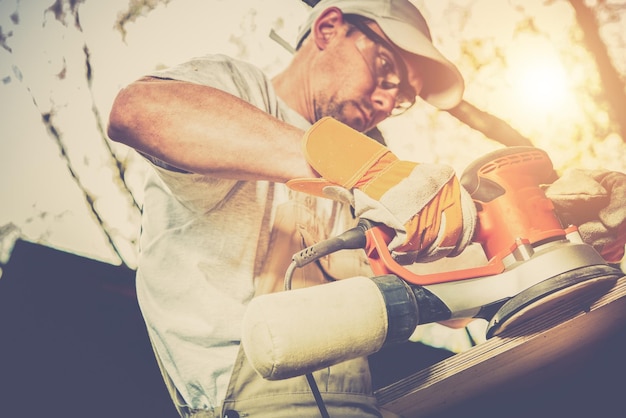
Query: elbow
[[114, 127], [119, 127], [130, 119]]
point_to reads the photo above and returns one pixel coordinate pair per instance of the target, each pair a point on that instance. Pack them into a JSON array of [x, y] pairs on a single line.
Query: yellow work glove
[[595, 201], [432, 215]]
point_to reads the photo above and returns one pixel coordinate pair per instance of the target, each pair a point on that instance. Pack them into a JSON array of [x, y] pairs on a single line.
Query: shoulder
[[232, 75]]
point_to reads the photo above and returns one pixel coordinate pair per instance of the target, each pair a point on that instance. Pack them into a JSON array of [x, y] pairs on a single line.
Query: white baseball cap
[[405, 26]]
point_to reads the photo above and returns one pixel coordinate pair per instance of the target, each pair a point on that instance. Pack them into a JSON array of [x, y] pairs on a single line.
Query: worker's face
[[366, 78]]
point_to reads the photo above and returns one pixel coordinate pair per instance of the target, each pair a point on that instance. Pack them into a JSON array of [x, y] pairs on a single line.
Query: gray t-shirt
[[204, 241]]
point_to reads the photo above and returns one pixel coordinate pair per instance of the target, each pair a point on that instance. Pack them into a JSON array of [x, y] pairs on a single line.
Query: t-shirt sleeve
[[236, 77]]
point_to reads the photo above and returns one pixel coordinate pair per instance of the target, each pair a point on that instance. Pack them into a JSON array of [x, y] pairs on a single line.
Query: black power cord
[[352, 239]]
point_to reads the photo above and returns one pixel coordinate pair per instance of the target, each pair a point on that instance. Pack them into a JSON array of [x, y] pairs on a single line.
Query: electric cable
[[351, 239]]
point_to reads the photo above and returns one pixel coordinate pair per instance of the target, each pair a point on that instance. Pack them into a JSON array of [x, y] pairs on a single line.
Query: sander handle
[[382, 262]]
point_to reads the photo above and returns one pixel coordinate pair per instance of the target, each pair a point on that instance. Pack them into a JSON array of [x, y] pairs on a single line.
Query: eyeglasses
[[389, 75]]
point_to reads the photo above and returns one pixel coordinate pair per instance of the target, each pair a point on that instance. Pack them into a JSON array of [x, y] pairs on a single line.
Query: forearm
[[204, 130]]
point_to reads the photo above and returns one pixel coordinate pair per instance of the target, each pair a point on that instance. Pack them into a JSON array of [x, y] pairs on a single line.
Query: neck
[[293, 86]]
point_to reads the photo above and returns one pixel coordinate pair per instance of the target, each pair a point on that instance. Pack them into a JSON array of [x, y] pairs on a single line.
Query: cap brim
[[443, 84]]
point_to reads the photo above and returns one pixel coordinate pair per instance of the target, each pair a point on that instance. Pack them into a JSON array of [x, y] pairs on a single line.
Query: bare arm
[[207, 131]]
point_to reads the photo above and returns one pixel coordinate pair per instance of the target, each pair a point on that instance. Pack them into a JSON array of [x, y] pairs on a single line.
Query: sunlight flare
[[541, 85], [538, 79]]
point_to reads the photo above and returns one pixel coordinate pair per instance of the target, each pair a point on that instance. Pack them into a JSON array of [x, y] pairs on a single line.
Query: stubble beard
[[337, 110]]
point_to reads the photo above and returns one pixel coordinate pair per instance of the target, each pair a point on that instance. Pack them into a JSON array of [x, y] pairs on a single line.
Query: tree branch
[[491, 126], [613, 87]]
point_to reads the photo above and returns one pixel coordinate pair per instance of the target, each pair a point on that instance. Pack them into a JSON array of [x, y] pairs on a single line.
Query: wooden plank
[[563, 331]]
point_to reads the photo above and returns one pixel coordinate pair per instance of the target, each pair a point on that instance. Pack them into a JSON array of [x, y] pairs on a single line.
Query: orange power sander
[[533, 262]]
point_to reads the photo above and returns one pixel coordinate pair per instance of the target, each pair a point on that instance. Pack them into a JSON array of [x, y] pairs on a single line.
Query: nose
[[383, 101]]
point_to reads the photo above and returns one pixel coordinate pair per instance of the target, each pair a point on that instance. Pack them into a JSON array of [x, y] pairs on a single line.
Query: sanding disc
[[584, 285]]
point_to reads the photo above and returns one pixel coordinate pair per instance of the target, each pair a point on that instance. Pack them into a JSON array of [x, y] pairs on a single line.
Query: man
[[219, 225]]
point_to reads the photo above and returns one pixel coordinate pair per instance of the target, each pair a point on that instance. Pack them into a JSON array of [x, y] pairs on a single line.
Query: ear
[[326, 26]]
